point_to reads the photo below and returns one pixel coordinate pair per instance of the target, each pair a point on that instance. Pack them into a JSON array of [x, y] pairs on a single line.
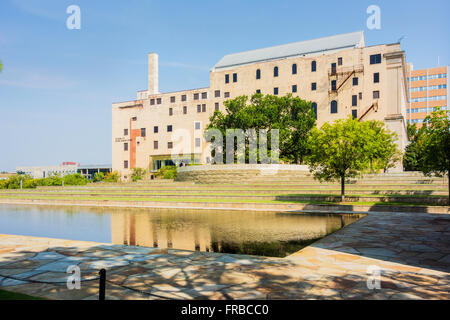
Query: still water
[[243, 232]]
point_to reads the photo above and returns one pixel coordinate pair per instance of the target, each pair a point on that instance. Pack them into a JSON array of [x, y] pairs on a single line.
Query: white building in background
[[64, 169], [47, 171]]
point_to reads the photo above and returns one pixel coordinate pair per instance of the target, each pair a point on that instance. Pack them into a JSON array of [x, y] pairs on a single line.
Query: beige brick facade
[[342, 65]]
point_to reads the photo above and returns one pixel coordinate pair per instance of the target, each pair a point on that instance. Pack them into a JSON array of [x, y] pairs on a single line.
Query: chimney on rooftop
[[153, 73]]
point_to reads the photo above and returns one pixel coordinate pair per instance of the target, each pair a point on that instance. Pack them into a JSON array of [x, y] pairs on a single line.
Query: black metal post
[[102, 285]]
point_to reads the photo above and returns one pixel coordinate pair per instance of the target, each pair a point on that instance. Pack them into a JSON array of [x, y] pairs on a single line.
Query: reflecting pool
[[244, 232]]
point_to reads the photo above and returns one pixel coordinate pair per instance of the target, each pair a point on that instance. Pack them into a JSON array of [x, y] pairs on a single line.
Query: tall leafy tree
[[413, 152], [292, 116], [1, 66], [347, 147], [435, 146]]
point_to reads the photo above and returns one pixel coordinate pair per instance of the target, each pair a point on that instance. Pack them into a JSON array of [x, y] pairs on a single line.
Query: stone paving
[[411, 250]]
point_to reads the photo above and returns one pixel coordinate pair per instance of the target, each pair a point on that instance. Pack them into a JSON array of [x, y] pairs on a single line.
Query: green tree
[[1, 66], [413, 151], [292, 116], [347, 147], [435, 146]]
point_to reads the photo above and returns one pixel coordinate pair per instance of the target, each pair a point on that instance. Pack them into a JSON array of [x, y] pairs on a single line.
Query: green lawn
[[150, 199], [7, 295]]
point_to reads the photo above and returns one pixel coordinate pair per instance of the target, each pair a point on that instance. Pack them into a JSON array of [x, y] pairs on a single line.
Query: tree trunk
[[448, 177], [343, 188]]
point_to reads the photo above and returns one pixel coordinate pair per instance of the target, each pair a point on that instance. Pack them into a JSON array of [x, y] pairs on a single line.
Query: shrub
[[99, 176], [167, 172], [137, 174], [112, 177], [75, 180]]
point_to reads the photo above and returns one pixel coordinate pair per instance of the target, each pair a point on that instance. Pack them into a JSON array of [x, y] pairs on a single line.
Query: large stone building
[[339, 74]]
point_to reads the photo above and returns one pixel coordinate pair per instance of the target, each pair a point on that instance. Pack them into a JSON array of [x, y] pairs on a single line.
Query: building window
[[313, 86], [169, 128], [125, 164], [152, 102], [355, 114], [170, 111], [227, 95], [203, 107], [258, 74], [314, 108], [234, 77], [184, 97], [294, 68], [125, 132], [134, 119], [197, 142], [172, 99], [376, 77], [155, 129], [334, 106], [355, 81], [360, 96], [155, 145], [375, 59], [216, 106], [199, 108], [376, 94], [227, 78], [197, 126], [204, 95], [275, 72], [339, 61], [184, 110], [258, 90], [158, 101], [196, 96], [294, 88], [143, 132], [217, 94], [169, 145], [333, 85], [354, 100], [275, 91], [333, 68], [313, 66], [125, 146]]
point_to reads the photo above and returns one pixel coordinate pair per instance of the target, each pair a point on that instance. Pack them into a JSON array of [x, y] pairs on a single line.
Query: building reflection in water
[[222, 231]]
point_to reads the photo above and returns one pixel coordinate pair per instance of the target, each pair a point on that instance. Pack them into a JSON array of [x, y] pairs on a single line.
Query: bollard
[[102, 285]]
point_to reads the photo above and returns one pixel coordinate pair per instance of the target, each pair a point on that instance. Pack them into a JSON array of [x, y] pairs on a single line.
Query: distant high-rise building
[[427, 90]]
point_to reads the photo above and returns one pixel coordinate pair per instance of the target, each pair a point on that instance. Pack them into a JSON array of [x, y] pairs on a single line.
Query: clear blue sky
[[57, 85]]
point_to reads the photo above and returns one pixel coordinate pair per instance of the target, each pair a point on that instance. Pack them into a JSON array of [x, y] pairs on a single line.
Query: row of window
[[432, 76], [196, 96], [374, 59], [431, 109], [419, 89], [435, 98]]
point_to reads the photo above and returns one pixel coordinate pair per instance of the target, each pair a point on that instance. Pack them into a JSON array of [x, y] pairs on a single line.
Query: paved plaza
[[412, 252]]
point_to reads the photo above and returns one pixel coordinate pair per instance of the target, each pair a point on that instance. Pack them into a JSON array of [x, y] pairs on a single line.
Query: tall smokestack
[[153, 73]]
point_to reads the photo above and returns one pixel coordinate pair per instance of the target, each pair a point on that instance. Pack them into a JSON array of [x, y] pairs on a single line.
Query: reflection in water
[[243, 232], [258, 233]]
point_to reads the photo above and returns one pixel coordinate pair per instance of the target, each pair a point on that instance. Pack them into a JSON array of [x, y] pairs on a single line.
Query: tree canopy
[[292, 116], [434, 146], [347, 147]]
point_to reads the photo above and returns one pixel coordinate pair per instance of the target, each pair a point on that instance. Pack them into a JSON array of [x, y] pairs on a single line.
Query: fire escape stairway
[[374, 106]]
